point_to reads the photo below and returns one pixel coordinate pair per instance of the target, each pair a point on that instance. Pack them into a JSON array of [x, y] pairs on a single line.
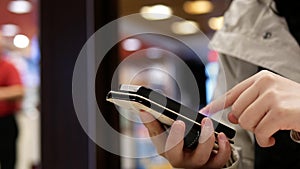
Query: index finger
[[229, 97]]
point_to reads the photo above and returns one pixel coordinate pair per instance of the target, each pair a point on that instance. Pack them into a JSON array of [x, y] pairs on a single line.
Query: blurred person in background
[[11, 93]]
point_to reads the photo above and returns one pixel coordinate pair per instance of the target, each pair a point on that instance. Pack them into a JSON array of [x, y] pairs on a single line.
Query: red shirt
[[9, 75]]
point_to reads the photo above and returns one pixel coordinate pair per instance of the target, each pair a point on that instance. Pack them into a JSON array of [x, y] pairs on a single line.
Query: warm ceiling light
[[21, 41], [156, 12], [198, 7], [131, 44], [9, 29], [185, 27], [19, 6], [216, 23]]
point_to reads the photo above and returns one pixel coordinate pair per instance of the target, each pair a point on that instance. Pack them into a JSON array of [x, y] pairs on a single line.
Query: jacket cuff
[[233, 162]]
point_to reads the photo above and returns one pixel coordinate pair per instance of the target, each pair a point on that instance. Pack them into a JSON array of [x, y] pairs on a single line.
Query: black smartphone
[[165, 110]]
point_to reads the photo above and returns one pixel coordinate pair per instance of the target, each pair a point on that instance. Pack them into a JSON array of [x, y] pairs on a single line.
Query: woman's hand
[[262, 104], [170, 145]]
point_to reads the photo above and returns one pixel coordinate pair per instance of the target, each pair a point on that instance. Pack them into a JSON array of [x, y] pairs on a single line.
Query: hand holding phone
[[166, 111]]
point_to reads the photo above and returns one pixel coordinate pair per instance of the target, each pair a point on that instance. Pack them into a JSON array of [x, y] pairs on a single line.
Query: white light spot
[[185, 27], [19, 6], [156, 12], [131, 44], [216, 23], [21, 41]]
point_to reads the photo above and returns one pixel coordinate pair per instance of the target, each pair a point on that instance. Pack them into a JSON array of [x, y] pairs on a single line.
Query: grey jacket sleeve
[[233, 70], [234, 160]]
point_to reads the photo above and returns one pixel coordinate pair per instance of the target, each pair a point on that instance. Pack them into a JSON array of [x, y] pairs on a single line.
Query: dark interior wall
[[64, 28], [105, 12], [62, 35]]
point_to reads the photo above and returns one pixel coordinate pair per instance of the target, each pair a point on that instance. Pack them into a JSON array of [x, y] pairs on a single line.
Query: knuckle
[[265, 77], [262, 140], [280, 110], [265, 73], [243, 123], [234, 109], [272, 96], [246, 123]]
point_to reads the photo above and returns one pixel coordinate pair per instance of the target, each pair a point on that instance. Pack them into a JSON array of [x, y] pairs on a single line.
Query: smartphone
[[166, 110]]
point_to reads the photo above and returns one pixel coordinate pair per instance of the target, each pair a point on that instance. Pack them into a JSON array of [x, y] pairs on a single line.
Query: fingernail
[[204, 111], [206, 131], [222, 137], [232, 118], [179, 126], [176, 135]]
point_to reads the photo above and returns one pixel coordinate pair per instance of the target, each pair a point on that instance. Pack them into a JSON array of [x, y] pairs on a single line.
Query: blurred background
[[43, 38]]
